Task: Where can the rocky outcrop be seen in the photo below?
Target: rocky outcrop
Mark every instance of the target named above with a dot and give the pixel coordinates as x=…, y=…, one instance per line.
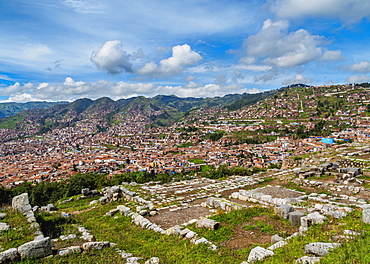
x=21, y=203
x=36, y=249
x=9, y=255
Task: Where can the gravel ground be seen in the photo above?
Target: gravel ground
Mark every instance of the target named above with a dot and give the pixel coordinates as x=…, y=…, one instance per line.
x=278, y=192
x=168, y=219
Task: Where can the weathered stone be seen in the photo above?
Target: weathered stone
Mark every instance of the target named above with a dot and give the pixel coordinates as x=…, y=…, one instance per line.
x=39, y=237
x=313, y=218
x=51, y=207
x=123, y=209
x=35, y=226
x=277, y=245
x=259, y=253
x=143, y=212
x=319, y=248
x=21, y=203
x=153, y=260
x=87, y=237
x=30, y=216
x=351, y=233
x=133, y=260
x=184, y=232
x=103, y=200
x=70, y=236
x=201, y=240
x=4, y=226
x=208, y=224
x=112, y=212
x=190, y=235
x=308, y=260
x=94, y=202
x=69, y=250
x=366, y=215
x=9, y=255
x=95, y=245
x=295, y=218
x=86, y=191
x=124, y=254
x=276, y=238
x=36, y=249
x=2, y=215
x=283, y=210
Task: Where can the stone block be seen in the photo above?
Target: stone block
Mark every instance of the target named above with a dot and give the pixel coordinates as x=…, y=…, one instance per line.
x=153, y=260
x=4, y=226
x=103, y=200
x=259, y=253
x=283, y=210
x=69, y=250
x=95, y=245
x=313, y=218
x=21, y=203
x=277, y=245
x=51, y=207
x=208, y=224
x=308, y=260
x=320, y=249
x=36, y=249
x=86, y=191
x=295, y=218
x=10, y=255
x=184, y=232
x=276, y=238
x=366, y=215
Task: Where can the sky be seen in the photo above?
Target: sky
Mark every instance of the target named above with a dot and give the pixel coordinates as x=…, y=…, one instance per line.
x=54, y=50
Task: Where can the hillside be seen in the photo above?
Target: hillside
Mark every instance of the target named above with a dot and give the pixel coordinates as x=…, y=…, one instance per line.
x=10, y=109
x=160, y=110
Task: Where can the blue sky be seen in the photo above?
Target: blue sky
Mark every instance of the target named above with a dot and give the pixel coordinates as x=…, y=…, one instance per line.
x=54, y=50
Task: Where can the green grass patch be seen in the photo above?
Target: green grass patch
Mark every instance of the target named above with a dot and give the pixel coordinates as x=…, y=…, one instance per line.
x=19, y=233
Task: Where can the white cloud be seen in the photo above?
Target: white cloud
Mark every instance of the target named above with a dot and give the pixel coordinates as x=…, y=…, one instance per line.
x=253, y=91
x=197, y=90
x=112, y=58
x=84, y=7
x=5, y=77
x=247, y=60
x=189, y=78
x=70, y=90
x=35, y=51
x=332, y=55
x=349, y=11
x=257, y=68
x=182, y=56
x=238, y=75
x=282, y=49
x=298, y=78
x=20, y=98
x=275, y=46
x=363, y=66
x=358, y=78
x=17, y=88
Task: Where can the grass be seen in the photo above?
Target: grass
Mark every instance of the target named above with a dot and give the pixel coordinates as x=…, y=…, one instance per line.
x=19, y=233
x=172, y=249
x=11, y=122
x=351, y=251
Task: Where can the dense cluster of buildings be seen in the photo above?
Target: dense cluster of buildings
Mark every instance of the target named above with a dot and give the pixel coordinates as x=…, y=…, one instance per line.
x=131, y=146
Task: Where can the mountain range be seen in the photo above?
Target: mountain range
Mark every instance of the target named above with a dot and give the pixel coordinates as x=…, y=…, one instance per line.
x=161, y=110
